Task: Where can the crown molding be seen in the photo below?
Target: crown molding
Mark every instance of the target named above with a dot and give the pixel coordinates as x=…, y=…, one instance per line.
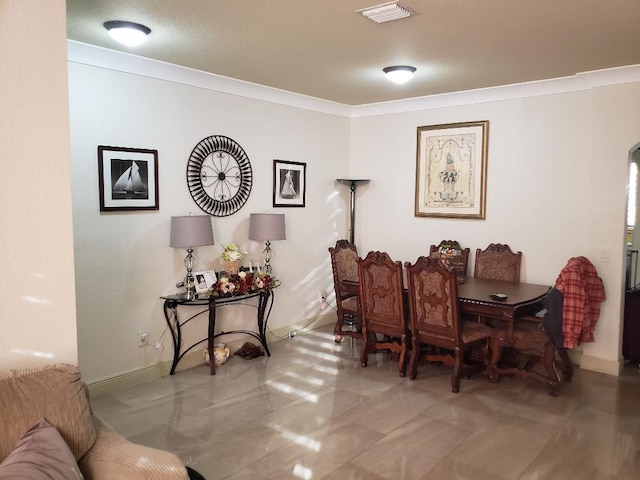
x=86, y=54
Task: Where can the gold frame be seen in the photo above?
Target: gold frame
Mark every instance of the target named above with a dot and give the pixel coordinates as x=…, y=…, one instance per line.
x=451, y=170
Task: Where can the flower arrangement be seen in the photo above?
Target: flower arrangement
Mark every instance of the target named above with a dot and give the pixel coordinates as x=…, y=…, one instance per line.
x=231, y=253
x=242, y=283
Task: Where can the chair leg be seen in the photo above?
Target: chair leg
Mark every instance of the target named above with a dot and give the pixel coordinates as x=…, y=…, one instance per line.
x=402, y=356
x=457, y=372
x=337, y=331
x=368, y=344
x=413, y=357
x=567, y=367
x=550, y=367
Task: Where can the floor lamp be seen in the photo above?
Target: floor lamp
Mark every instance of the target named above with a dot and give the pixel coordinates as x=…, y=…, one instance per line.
x=188, y=232
x=353, y=185
x=265, y=227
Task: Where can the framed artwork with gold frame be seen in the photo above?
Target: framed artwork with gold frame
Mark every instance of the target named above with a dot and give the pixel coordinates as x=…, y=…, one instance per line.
x=451, y=170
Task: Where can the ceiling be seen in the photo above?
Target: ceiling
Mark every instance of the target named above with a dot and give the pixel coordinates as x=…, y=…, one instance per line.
x=324, y=49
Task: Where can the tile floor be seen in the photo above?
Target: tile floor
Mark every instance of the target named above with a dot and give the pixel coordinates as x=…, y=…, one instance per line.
x=311, y=412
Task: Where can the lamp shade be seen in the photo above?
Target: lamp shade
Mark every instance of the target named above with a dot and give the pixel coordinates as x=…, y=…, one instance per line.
x=267, y=227
x=191, y=231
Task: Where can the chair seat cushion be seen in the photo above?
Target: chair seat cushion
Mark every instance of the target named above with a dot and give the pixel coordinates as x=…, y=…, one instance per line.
x=529, y=332
x=473, y=331
x=350, y=303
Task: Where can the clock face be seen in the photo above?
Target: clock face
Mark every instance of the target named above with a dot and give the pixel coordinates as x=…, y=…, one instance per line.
x=219, y=176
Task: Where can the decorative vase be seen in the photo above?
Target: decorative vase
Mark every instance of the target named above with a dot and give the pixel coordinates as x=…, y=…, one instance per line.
x=220, y=354
x=232, y=266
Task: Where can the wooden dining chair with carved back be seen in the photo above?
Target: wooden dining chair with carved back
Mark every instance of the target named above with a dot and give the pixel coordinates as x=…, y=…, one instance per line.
x=383, y=309
x=498, y=262
x=435, y=323
x=452, y=255
x=344, y=264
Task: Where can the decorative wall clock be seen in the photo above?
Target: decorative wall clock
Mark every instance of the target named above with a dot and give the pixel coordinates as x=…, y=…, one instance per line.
x=219, y=175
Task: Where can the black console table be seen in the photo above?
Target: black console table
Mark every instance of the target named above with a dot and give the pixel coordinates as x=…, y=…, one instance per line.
x=172, y=302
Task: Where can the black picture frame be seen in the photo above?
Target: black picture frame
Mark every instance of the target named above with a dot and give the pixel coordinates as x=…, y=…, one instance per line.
x=128, y=179
x=289, y=183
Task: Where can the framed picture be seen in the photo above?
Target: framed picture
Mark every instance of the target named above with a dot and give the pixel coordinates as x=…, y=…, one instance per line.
x=205, y=280
x=128, y=178
x=289, y=183
x=451, y=170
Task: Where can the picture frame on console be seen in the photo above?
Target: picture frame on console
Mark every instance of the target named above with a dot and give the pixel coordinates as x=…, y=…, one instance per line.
x=204, y=280
x=289, y=183
x=451, y=170
x=128, y=179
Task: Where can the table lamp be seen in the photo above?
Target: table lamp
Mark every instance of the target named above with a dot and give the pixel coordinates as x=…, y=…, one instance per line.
x=190, y=231
x=265, y=227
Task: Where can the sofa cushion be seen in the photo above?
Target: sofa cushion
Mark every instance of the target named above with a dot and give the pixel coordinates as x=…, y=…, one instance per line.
x=41, y=454
x=55, y=393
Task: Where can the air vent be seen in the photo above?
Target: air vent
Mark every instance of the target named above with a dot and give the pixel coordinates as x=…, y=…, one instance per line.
x=386, y=12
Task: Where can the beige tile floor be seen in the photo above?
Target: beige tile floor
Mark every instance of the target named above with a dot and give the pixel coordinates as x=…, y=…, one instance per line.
x=311, y=412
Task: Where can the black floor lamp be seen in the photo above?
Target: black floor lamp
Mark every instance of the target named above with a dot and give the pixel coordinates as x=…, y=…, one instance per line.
x=353, y=185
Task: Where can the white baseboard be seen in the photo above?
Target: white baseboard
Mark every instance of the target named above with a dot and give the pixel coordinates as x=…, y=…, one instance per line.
x=195, y=358
x=600, y=365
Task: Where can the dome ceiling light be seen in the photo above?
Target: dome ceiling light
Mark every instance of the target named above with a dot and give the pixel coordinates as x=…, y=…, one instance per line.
x=399, y=73
x=128, y=33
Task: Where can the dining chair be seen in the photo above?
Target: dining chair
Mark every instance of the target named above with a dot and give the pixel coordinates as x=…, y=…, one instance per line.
x=452, y=255
x=435, y=323
x=344, y=264
x=383, y=308
x=498, y=262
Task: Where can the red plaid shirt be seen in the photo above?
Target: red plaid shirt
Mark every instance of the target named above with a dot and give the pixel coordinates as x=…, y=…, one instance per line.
x=582, y=292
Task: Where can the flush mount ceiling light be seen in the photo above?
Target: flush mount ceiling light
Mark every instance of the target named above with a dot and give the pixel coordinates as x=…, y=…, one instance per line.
x=399, y=73
x=128, y=33
x=386, y=12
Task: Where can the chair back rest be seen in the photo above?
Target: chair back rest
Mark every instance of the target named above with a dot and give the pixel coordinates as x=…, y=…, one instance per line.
x=433, y=300
x=498, y=262
x=344, y=262
x=381, y=294
x=454, y=257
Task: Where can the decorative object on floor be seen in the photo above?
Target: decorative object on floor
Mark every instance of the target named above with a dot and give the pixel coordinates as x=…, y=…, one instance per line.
x=451, y=170
x=232, y=256
x=220, y=354
x=190, y=231
x=353, y=185
x=266, y=227
x=219, y=176
x=249, y=351
x=193, y=475
x=289, y=183
x=128, y=179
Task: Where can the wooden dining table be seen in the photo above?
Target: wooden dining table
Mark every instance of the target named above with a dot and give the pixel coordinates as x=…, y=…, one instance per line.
x=475, y=296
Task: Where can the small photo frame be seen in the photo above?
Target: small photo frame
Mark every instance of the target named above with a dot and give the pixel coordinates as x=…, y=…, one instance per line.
x=128, y=179
x=204, y=280
x=289, y=183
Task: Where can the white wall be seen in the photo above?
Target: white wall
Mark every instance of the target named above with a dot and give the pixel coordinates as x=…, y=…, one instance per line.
x=123, y=261
x=557, y=170
x=37, y=312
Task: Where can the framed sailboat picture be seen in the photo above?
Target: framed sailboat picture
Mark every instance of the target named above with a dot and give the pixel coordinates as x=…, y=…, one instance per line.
x=289, y=183
x=128, y=178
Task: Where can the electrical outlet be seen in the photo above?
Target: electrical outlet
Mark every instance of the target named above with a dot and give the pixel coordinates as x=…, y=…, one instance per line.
x=143, y=336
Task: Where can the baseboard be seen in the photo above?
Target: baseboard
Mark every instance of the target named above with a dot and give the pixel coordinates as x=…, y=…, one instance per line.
x=600, y=365
x=195, y=358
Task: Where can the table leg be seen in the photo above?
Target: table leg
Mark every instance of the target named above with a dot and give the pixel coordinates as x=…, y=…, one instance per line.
x=171, y=311
x=211, y=335
x=265, y=303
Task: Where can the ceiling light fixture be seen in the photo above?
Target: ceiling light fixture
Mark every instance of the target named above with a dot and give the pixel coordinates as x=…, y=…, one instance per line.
x=399, y=73
x=386, y=12
x=128, y=33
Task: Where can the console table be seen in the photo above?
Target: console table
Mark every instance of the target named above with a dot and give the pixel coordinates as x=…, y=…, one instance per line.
x=172, y=302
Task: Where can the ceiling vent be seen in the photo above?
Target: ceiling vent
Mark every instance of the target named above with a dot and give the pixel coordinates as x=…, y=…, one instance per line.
x=386, y=12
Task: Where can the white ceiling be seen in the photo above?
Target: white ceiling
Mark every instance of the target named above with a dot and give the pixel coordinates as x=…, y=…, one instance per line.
x=324, y=49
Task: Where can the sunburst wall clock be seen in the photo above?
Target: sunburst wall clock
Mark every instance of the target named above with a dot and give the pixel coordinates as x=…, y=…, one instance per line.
x=219, y=175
